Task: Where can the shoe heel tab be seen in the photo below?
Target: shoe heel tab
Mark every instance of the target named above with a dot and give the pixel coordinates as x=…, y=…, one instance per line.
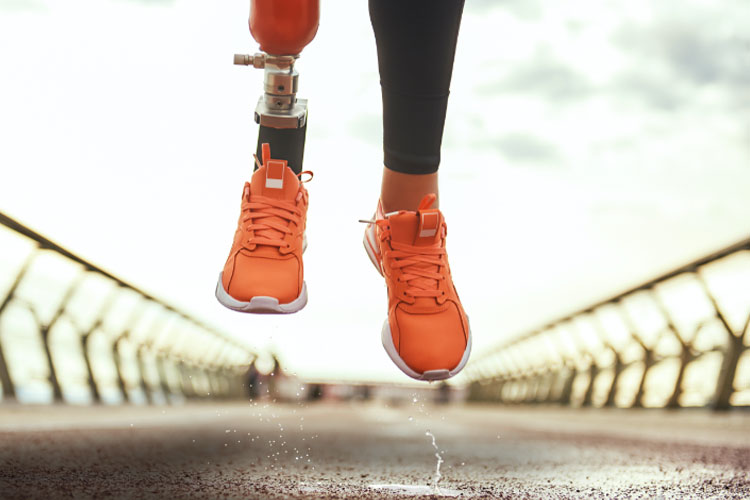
x=427, y=201
x=265, y=152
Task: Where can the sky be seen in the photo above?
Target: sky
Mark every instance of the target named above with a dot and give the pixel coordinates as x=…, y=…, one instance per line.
x=589, y=146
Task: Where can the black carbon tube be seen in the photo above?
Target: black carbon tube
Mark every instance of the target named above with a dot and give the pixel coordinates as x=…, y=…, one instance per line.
x=286, y=144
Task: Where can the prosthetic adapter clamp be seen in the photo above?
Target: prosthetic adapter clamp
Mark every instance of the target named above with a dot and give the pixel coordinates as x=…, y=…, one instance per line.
x=278, y=107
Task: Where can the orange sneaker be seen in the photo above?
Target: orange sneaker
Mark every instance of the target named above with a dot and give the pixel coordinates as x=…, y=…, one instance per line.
x=427, y=331
x=264, y=272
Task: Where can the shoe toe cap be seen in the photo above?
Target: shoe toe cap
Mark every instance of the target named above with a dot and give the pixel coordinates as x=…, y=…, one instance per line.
x=264, y=277
x=427, y=342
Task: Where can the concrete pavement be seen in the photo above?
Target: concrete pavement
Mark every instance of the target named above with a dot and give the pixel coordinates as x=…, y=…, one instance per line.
x=370, y=450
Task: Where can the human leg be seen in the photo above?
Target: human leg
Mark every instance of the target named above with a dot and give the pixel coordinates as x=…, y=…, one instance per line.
x=426, y=333
x=416, y=42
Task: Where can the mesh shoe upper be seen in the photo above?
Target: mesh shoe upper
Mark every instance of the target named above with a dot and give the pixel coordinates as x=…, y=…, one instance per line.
x=266, y=255
x=427, y=322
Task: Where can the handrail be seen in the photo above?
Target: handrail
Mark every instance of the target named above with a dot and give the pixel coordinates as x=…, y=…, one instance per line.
x=221, y=376
x=522, y=378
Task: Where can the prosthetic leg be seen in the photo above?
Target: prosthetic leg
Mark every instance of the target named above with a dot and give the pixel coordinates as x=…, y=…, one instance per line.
x=282, y=28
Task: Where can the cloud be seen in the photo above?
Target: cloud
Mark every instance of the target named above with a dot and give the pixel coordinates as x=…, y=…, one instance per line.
x=650, y=90
x=367, y=127
x=693, y=49
x=527, y=148
x=154, y=3
x=522, y=9
x=683, y=52
x=545, y=76
x=22, y=6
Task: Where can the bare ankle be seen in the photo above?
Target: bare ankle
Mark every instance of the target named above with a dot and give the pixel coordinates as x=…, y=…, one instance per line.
x=400, y=191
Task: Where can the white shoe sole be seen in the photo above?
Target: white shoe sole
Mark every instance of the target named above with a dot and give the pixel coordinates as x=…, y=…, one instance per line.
x=261, y=304
x=385, y=334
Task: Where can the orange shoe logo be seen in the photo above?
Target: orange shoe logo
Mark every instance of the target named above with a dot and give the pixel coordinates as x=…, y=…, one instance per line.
x=275, y=174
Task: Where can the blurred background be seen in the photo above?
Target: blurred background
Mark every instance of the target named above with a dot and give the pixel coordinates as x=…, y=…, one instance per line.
x=591, y=149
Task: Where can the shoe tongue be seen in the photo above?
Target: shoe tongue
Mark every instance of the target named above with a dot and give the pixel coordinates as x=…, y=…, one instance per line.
x=275, y=180
x=421, y=228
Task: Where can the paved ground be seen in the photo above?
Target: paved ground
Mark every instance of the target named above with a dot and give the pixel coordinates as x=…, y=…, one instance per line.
x=369, y=451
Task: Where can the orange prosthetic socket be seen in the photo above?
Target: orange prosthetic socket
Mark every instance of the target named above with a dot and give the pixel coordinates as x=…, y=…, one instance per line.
x=284, y=27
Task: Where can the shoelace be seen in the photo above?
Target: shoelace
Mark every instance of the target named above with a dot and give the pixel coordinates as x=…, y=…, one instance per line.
x=417, y=265
x=265, y=232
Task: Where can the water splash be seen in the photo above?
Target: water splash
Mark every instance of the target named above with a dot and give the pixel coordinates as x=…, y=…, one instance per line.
x=438, y=476
x=412, y=490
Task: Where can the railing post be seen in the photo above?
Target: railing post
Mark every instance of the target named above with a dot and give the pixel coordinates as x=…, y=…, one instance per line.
x=732, y=353
x=116, y=356
x=57, y=394
x=648, y=362
x=617, y=366
x=85, y=336
x=187, y=379
x=727, y=373
x=593, y=372
x=685, y=354
x=618, y=369
x=95, y=395
x=567, y=389
x=117, y=346
x=163, y=379
x=685, y=359
x=648, y=355
x=9, y=390
x=145, y=387
x=45, y=334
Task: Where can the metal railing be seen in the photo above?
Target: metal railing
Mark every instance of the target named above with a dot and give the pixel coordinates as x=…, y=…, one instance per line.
x=71, y=331
x=679, y=340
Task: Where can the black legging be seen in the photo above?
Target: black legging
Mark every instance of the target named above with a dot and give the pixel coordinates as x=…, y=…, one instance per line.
x=416, y=42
